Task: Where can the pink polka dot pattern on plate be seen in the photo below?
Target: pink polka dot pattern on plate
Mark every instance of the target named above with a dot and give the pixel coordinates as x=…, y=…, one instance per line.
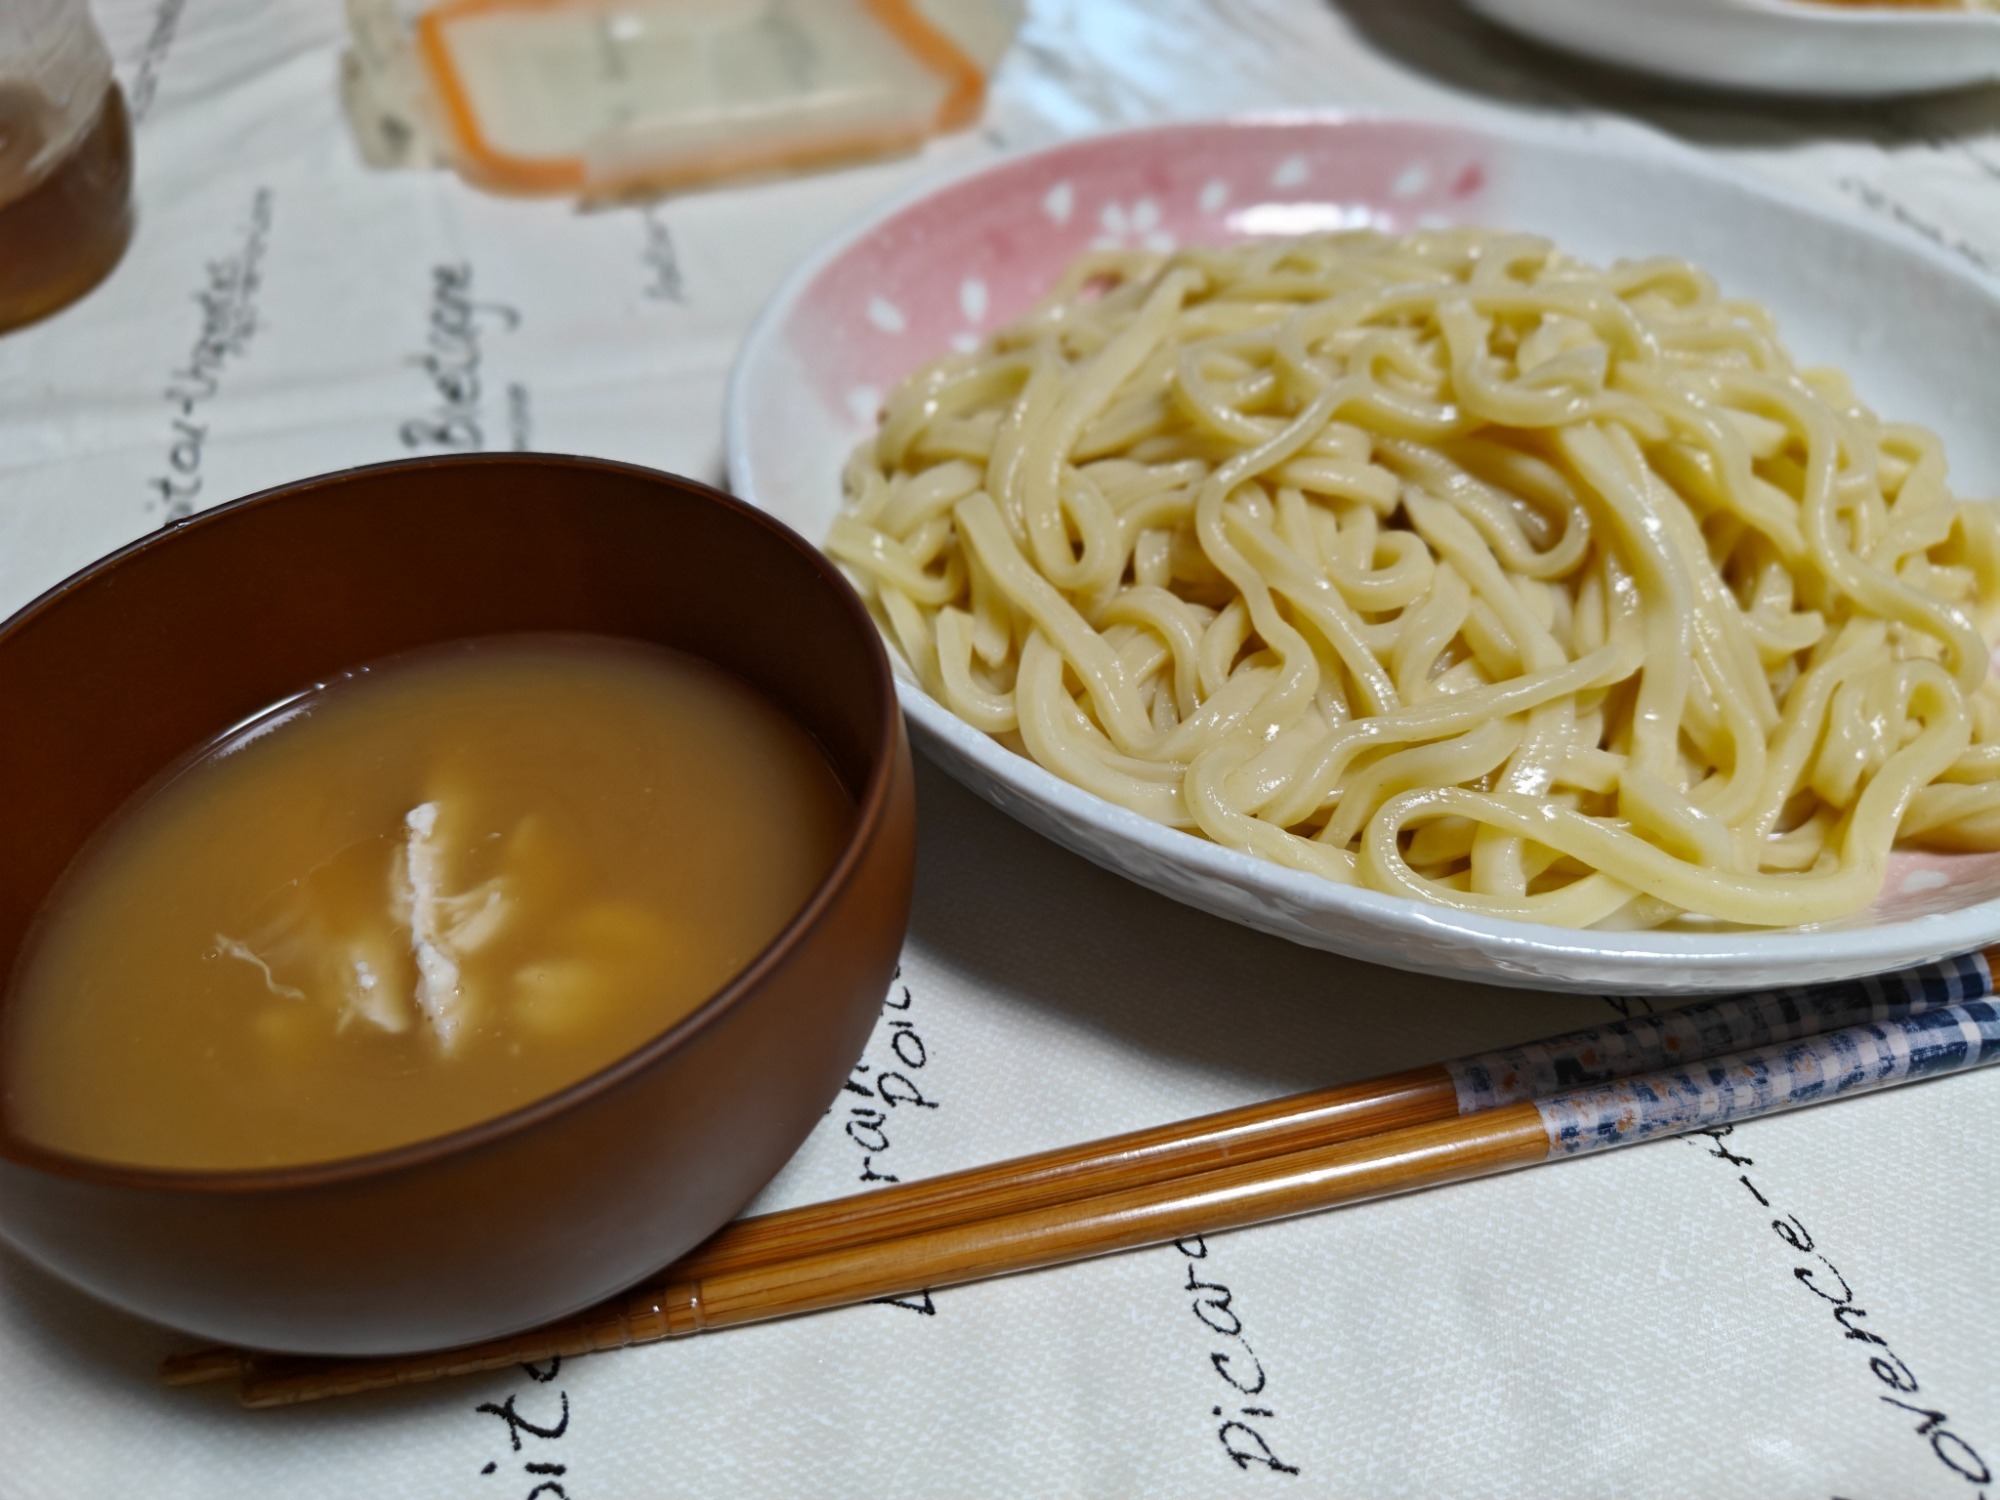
x=942, y=266
x=958, y=263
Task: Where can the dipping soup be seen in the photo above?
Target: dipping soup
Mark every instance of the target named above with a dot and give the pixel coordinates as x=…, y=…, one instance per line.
x=441, y=887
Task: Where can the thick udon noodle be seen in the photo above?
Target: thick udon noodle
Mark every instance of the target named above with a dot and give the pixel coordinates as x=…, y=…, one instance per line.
x=1452, y=567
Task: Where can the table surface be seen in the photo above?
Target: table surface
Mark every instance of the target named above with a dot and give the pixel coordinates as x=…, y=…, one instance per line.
x=1805, y=1308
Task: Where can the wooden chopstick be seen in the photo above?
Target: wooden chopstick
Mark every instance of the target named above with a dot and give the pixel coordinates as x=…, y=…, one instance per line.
x=1857, y=1059
x=1227, y=1198
x=1160, y=1153
x=1321, y=1117
x=1248, y=1133
x=1168, y=1155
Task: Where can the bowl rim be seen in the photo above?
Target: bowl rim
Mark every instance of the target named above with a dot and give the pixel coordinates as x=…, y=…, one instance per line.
x=1512, y=952
x=871, y=809
x=1828, y=50
x=1866, y=18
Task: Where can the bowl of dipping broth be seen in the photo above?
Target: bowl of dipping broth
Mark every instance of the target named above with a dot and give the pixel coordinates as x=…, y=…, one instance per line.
x=437, y=895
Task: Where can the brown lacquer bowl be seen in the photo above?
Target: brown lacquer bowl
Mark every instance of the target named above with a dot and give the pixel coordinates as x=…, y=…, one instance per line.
x=143, y=656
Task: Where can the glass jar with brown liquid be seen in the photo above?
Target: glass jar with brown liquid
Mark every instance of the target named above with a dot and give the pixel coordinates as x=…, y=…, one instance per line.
x=65, y=159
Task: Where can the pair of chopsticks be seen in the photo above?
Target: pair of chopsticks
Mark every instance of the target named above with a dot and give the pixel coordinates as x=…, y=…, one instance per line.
x=1714, y=1063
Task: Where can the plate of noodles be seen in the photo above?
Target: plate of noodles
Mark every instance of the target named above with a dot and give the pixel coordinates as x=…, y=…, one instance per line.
x=1459, y=550
x=1828, y=48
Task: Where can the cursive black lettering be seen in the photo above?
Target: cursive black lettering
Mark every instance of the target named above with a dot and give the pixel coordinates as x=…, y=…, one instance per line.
x=1893, y=1373
x=453, y=358
x=896, y=1089
x=865, y=1130
x=875, y=1130
x=1842, y=1313
x=1720, y=1152
x=1951, y=1450
x=1245, y=1446
x=1955, y=1453
x=518, y=1424
x=1805, y=1276
x=1237, y=1366
x=662, y=262
x=227, y=300
x=1222, y=1362
x=1792, y=1232
x=908, y=1046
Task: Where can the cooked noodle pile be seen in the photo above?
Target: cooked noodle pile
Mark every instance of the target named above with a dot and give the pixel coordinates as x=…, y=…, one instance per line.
x=1452, y=567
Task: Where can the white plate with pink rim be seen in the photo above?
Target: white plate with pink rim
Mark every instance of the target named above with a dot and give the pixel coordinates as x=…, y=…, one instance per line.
x=946, y=263
x=1797, y=47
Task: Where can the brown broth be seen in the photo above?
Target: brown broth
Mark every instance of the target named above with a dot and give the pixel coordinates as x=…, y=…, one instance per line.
x=439, y=888
x=60, y=234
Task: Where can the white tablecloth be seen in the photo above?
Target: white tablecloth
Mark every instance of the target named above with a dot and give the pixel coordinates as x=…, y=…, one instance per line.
x=1809, y=1308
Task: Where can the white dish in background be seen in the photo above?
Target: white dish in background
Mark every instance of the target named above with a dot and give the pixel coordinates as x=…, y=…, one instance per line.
x=950, y=261
x=1797, y=47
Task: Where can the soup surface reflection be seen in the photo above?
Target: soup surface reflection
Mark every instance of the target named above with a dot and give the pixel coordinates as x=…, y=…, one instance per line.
x=443, y=886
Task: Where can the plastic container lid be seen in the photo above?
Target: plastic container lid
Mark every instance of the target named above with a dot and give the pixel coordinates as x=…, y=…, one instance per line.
x=598, y=97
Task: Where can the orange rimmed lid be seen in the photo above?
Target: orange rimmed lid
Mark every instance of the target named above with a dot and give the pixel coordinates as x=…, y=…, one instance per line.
x=491, y=165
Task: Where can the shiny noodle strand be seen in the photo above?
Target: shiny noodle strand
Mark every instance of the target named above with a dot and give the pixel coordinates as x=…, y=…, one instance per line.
x=1449, y=566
